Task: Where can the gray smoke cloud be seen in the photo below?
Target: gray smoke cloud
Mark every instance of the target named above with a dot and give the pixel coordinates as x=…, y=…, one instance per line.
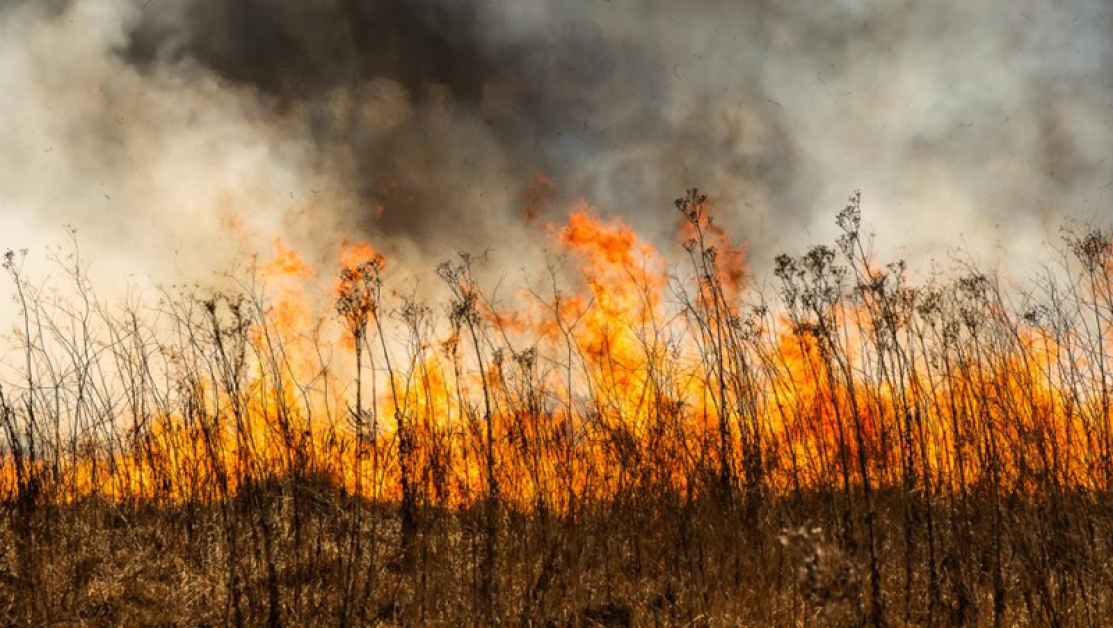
x=176, y=135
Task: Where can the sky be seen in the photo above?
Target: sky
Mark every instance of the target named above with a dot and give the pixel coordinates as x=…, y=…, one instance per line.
x=181, y=137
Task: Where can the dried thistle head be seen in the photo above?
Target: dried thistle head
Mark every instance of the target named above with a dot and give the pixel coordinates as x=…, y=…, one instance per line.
x=1093, y=249
x=464, y=308
x=691, y=205
x=357, y=293
x=526, y=359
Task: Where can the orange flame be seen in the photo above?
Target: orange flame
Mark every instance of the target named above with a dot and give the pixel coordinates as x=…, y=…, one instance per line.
x=612, y=390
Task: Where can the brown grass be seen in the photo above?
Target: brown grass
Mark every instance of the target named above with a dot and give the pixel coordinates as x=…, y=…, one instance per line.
x=859, y=451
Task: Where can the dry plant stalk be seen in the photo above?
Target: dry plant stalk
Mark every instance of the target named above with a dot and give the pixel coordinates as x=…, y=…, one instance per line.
x=645, y=444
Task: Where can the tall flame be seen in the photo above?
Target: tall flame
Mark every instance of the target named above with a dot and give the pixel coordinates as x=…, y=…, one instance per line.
x=624, y=381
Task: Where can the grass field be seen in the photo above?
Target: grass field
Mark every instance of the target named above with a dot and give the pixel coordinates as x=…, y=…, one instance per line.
x=632, y=440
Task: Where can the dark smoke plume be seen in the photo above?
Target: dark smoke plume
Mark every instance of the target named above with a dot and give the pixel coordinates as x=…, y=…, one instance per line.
x=435, y=76
x=424, y=124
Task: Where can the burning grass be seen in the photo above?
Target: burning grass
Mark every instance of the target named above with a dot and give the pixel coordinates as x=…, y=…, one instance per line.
x=651, y=443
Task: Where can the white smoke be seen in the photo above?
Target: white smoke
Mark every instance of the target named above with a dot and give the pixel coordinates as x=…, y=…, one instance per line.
x=980, y=125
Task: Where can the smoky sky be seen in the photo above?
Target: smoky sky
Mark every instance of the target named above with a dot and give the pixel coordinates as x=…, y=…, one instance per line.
x=423, y=124
x=546, y=100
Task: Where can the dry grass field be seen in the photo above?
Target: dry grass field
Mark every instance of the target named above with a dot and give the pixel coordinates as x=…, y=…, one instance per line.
x=641, y=442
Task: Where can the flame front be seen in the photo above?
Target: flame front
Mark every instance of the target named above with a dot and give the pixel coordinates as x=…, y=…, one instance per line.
x=640, y=376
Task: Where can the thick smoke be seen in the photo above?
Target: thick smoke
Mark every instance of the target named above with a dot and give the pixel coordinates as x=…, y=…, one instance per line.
x=420, y=104
x=176, y=133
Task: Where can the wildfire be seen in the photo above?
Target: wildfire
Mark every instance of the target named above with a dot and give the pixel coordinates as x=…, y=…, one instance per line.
x=624, y=381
